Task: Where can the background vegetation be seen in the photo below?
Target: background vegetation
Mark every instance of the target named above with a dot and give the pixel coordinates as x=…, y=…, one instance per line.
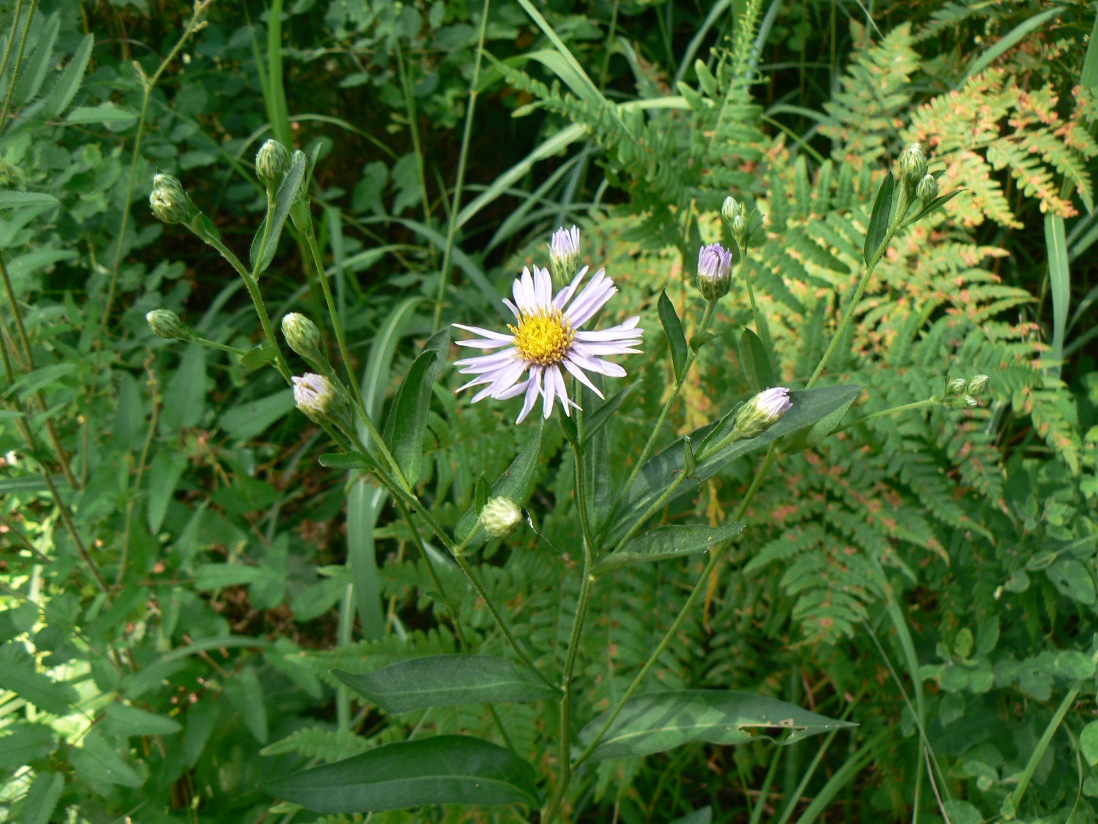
x=178, y=574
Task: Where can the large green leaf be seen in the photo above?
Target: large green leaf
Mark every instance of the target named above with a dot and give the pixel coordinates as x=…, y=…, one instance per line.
x=413, y=402
x=664, y=720
x=444, y=681
x=809, y=407
x=447, y=769
x=670, y=542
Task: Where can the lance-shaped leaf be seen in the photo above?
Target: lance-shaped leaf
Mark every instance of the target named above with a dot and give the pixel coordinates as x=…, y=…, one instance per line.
x=513, y=484
x=664, y=720
x=754, y=362
x=445, y=681
x=880, y=219
x=263, y=249
x=670, y=542
x=409, y=415
x=447, y=769
x=672, y=327
x=933, y=206
x=712, y=455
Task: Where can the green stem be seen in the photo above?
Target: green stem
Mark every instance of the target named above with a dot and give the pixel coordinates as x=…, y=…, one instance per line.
x=463, y=157
x=212, y=344
x=18, y=58
x=714, y=558
x=193, y=25
x=691, y=358
x=895, y=410
x=586, y=587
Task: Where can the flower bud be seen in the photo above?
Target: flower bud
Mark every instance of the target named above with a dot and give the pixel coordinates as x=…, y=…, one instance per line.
x=977, y=386
x=321, y=400
x=731, y=209
x=739, y=229
x=168, y=200
x=955, y=387
x=564, y=256
x=271, y=163
x=166, y=324
x=761, y=412
x=714, y=267
x=912, y=165
x=927, y=189
x=303, y=337
x=500, y=516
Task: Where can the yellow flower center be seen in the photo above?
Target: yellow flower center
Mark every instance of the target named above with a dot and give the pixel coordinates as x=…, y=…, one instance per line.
x=543, y=337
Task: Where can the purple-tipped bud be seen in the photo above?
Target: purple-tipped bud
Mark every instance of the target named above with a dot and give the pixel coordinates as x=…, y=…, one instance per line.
x=564, y=256
x=761, y=412
x=714, y=271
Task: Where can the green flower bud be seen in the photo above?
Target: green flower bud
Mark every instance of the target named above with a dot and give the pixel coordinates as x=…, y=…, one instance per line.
x=955, y=387
x=739, y=229
x=977, y=386
x=168, y=200
x=927, y=189
x=303, y=337
x=500, y=516
x=761, y=412
x=271, y=164
x=731, y=209
x=912, y=165
x=166, y=324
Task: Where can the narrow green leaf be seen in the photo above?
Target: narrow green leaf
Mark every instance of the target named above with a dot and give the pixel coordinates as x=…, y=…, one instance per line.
x=97, y=763
x=32, y=72
x=809, y=407
x=933, y=206
x=15, y=200
x=164, y=473
x=1008, y=41
x=661, y=721
x=447, y=769
x=252, y=418
x=601, y=415
x=219, y=576
x=278, y=213
x=349, y=461
x=880, y=219
x=413, y=402
x=105, y=114
x=258, y=356
x=22, y=744
x=513, y=483
x=62, y=93
x=672, y=327
x=754, y=362
x=1059, y=278
x=670, y=542
x=446, y=681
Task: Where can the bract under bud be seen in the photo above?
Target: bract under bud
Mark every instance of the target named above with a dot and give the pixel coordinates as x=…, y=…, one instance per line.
x=168, y=200
x=564, y=256
x=912, y=165
x=166, y=324
x=927, y=189
x=762, y=412
x=714, y=268
x=271, y=163
x=303, y=336
x=500, y=516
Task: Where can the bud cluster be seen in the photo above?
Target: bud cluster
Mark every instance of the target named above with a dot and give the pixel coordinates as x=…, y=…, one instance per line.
x=738, y=221
x=962, y=394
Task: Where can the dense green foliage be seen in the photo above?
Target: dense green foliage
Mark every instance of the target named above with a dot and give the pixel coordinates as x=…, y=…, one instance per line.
x=194, y=586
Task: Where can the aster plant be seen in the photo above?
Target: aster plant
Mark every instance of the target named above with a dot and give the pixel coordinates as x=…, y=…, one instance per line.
x=564, y=347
